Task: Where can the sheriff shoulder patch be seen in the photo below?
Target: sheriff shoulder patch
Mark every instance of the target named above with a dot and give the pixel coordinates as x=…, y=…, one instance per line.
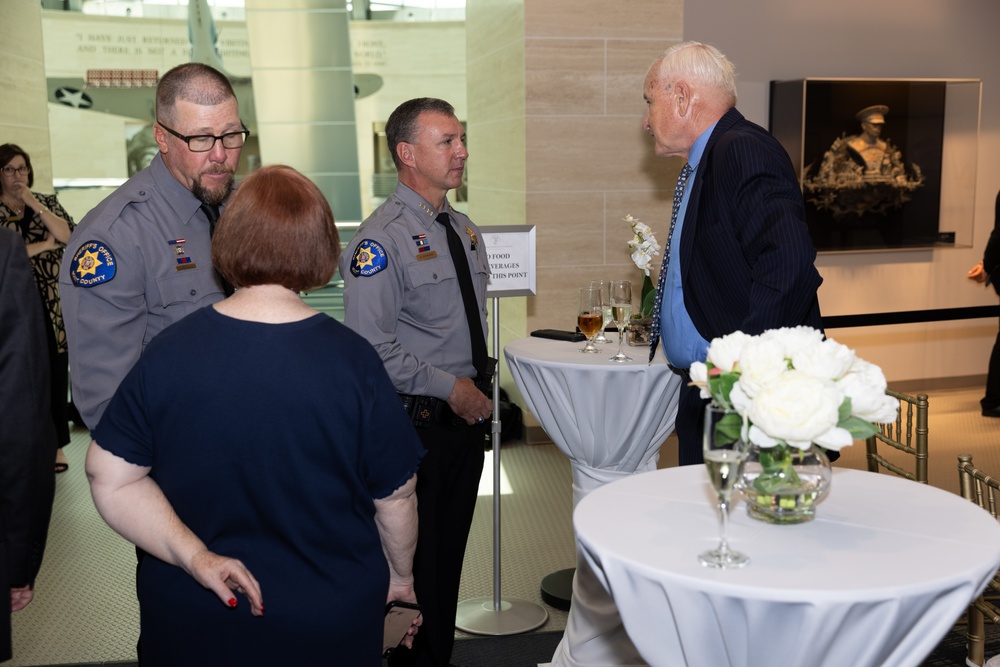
x=369, y=259
x=94, y=263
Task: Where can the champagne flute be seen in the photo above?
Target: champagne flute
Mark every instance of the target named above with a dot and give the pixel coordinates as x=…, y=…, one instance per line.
x=590, y=316
x=621, y=312
x=725, y=453
x=605, y=287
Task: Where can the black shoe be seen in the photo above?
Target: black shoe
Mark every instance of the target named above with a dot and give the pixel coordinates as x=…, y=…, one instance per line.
x=991, y=412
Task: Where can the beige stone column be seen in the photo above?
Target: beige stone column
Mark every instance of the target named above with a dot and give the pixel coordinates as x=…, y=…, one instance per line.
x=304, y=94
x=24, y=114
x=555, y=107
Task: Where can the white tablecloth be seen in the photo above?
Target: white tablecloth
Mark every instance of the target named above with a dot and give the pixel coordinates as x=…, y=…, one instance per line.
x=878, y=578
x=610, y=420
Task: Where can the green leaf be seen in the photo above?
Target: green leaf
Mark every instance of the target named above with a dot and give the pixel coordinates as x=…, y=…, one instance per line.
x=648, y=296
x=721, y=385
x=844, y=411
x=859, y=428
x=727, y=429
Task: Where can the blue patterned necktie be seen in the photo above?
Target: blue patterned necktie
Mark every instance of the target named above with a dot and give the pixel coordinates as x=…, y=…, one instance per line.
x=654, y=336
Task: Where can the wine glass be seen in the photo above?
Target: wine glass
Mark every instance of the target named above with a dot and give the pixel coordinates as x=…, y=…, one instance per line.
x=605, y=287
x=725, y=452
x=590, y=316
x=621, y=312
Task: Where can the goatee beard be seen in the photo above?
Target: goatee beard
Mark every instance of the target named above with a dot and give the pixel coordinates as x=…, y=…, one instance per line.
x=212, y=197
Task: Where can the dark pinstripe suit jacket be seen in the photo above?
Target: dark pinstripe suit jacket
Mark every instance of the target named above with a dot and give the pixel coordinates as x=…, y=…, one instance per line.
x=746, y=254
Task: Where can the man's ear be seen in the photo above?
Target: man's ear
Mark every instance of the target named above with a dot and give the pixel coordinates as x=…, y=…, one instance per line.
x=161, y=137
x=404, y=152
x=682, y=95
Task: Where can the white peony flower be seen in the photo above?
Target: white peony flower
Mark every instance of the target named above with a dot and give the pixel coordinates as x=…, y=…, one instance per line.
x=699, y=376
x=828, y=360
x=796, y=408
x=761, y=361
x=725, y=352
x=794, y=338
x=865, y=385
x=792, y=385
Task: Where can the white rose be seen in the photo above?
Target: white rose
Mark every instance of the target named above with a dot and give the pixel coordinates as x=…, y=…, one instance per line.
x=828, y=360
x=725, y=352
x=699, y=376
x=794, y=338
x=796, y=408
x=865, y=385
x=761, y=361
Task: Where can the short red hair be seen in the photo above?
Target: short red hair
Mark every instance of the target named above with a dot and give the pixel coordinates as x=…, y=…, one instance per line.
x=277, y=229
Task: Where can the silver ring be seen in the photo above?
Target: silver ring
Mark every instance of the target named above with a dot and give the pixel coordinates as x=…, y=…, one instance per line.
x=481, y=420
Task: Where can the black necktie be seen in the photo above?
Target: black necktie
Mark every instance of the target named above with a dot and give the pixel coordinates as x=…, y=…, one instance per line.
x=211, y=212
x=457, y=251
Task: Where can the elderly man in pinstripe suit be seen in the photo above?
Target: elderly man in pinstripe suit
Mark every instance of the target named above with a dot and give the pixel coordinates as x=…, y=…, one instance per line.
x=738, y=254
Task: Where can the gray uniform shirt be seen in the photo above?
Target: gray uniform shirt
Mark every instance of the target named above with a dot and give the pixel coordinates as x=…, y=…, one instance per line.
x=137, y=263
x=401, y=293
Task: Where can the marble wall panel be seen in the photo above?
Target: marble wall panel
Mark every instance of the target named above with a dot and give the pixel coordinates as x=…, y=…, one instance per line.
x=492, y=25
x=496, y=155
x=564, y=76
x=494, y=207
x=496, y=84
x=558, y=297
x=570, y=227
x=624, y=19
x=600, y=153
x=628, y=62
x=24, y=118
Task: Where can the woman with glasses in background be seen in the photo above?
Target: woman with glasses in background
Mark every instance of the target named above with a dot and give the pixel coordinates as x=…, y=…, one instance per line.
x=44, y=226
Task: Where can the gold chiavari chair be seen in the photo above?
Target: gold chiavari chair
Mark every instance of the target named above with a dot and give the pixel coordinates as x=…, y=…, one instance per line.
x=908, y=434
x=983, y=490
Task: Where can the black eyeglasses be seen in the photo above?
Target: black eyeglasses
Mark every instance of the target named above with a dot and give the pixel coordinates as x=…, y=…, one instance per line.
x=23, y=169
x=202, y=143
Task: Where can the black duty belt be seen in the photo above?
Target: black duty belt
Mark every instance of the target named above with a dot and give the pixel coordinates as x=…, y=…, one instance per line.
x=426, y=411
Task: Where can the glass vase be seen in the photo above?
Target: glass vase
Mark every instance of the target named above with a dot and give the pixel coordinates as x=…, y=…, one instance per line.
x=638, y=331
x=783, y=484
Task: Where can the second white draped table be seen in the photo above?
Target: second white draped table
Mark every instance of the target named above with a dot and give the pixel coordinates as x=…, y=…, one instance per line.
x=609, y=419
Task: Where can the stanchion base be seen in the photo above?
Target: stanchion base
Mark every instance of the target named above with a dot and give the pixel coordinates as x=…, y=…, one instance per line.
x=478, y=617
x=557, y=588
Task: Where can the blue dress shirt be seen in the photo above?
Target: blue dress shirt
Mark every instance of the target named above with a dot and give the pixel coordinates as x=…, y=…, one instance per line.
x=681, y=342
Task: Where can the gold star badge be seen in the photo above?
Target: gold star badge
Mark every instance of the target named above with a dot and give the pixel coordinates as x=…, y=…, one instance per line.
x=88, y=264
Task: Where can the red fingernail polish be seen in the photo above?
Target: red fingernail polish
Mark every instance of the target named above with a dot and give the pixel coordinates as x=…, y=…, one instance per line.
x=232, y=602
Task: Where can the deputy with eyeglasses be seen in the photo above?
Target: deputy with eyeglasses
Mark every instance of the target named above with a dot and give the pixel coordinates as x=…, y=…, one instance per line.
x=141, y=259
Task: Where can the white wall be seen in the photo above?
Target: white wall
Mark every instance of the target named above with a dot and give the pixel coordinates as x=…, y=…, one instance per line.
x=783, y=39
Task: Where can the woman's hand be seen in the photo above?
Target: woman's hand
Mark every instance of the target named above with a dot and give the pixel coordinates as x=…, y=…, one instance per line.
x=23, y=192
x=47, y=245
x=223, y=575
x=133, y=504
x=20, y=597
x=57, y=227
x=977, y=273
